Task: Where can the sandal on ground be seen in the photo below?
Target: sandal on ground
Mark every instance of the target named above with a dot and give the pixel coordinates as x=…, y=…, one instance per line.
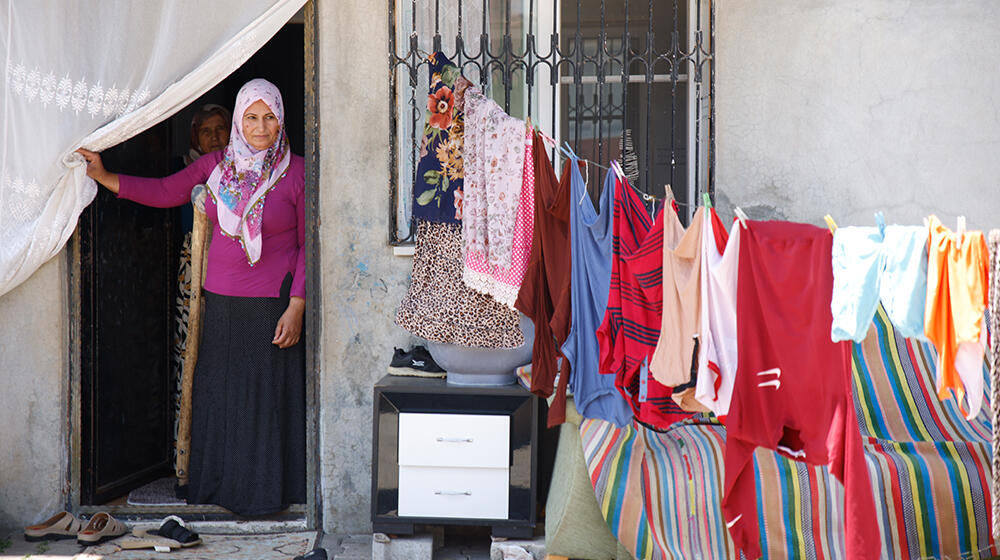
x=63, y=525
x=148, y=541
x=315, y=554
x=101, y=527
x=173, y=530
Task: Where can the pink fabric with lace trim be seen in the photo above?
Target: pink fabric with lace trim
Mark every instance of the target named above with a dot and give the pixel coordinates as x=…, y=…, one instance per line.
x=493, y=156
x=503, y=284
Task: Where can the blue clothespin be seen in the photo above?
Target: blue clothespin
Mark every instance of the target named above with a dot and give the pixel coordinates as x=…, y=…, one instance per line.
x=566, y=149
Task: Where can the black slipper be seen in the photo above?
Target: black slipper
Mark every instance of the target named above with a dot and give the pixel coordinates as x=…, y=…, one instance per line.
x=171, y=529
x=314, y=554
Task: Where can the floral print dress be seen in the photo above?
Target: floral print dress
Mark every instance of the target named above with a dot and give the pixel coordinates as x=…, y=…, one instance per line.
x=438, y=306
x=437, y=188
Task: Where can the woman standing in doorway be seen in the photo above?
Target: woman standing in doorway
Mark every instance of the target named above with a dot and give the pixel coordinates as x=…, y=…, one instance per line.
x=248, y=427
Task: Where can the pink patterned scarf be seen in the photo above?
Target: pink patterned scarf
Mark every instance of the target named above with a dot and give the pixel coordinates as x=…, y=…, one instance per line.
x=245, y=175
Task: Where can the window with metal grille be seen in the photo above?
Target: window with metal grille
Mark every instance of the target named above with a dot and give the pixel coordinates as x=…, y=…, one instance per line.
x=603, y=75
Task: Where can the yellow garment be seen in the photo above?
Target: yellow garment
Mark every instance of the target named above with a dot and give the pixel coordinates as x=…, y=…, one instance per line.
x=957, y=280
x=671, y=362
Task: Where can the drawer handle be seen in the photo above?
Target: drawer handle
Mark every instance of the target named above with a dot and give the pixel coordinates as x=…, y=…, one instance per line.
x=452, y=493
x=454, y=439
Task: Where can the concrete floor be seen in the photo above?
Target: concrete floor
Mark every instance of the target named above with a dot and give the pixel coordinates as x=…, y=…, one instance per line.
x=338, y=547
x=359, y=547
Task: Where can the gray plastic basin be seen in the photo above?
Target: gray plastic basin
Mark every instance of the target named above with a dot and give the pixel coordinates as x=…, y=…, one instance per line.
x=484, y=366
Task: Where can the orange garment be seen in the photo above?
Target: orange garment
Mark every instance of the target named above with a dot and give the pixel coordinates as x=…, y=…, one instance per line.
x=671, y=362
x=957, y=280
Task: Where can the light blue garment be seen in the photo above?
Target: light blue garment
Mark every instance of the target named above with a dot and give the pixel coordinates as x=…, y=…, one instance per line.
x=590, y=240
x=904, y=278
x=857, y=269
x=887, y=263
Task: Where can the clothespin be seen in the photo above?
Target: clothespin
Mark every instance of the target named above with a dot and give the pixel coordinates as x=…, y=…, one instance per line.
x=830, y=223
x=706, y=200
x=617, y=169
x=566, y=149
x=961, y=226
x=741, y=215
x=547, y=139
x=527, y=122
x=668, y=192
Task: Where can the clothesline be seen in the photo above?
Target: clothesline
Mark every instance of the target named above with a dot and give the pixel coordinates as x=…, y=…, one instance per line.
x=764, y=298
x=645, y=196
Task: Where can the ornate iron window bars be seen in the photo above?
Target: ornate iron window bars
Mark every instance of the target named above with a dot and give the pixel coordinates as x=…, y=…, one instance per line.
x=687, y=58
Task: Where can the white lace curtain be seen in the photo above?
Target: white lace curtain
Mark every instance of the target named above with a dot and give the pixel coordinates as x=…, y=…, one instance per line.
x=93, y=73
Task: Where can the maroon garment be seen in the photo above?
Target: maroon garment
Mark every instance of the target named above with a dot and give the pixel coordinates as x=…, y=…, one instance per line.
x=545, y=292
x=283, y=229
x=793, y=390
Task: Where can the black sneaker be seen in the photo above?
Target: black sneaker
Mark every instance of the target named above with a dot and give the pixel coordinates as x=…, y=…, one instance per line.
x=417, y=362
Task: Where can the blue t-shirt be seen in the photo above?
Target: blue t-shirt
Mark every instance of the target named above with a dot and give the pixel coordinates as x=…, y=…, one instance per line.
x=590, y=241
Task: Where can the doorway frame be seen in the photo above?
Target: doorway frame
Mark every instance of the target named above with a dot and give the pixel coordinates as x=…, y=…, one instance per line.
x=311, y=511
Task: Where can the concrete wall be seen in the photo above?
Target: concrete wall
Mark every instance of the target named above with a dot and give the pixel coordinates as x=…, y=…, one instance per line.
x=33, y=450
x=840, y=107
x=362, y=281
x=851, y=106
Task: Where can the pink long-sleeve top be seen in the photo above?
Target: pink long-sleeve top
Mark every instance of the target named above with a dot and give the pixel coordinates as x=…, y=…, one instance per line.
x=283, y=229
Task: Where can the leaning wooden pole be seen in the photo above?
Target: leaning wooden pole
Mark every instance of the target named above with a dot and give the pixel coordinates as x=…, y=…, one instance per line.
x=199, y=251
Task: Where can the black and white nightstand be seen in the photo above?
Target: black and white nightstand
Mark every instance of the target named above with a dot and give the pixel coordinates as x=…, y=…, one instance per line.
x=453, y=455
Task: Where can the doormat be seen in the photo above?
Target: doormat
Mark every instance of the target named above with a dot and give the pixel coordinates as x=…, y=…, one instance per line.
x=281, y=546
x=160, y=492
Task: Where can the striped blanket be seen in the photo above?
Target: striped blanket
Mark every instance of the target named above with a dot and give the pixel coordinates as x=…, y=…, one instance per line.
x=660, y=492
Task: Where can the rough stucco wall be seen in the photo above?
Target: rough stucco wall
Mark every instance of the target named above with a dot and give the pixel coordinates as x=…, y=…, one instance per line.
x=851, y=106
x=362, y=281
x=32, y=394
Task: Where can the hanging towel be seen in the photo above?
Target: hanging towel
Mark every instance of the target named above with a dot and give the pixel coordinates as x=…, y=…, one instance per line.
x=681, y=322
x=872, y=264
x=504, y=283
x=437, y=187
x=793, y=385
x=545, y=291
x=717, y=359
x=956, y=299
x=494, y=171
x=594, y=393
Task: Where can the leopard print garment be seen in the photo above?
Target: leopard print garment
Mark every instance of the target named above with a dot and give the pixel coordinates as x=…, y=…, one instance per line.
x=440, y=308
x=182, y=305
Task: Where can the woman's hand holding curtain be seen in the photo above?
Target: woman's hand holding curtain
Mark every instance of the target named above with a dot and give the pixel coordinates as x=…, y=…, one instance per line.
x=96, y=171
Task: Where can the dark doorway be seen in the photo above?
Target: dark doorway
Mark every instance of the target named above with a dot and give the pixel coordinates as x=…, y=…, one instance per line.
x=129, y=264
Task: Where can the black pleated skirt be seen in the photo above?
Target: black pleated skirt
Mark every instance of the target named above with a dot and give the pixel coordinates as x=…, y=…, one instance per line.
x=248, y=441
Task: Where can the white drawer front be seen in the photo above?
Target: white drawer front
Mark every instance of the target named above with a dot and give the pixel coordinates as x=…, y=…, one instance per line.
x=450, y=492
x=454, y=440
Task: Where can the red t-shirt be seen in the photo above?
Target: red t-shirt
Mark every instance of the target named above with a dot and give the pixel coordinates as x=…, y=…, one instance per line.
x=792, y=391
x=631, y=326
